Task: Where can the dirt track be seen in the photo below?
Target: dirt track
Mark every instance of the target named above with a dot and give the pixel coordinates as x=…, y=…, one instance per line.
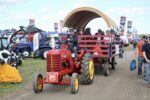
x=122, y=84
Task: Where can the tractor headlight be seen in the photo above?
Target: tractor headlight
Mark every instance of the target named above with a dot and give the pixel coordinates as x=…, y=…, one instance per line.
x=73, y=55
x=95, y=53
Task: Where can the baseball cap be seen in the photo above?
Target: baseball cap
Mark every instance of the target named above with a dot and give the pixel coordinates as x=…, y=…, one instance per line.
x=145, y=37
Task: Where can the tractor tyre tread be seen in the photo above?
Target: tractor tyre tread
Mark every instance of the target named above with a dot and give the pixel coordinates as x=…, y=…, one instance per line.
x=85, y=69
x=73, y=90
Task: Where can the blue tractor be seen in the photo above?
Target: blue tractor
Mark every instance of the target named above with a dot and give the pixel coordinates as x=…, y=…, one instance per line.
x=23, y=46
x=28, y=43
x=21, y=43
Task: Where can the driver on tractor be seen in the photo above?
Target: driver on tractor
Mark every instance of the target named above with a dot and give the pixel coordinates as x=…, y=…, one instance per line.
x=72, y=41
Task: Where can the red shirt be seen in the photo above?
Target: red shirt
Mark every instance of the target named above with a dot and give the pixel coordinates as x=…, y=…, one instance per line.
x=139, y=46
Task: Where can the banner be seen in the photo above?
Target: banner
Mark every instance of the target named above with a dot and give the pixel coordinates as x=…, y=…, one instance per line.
x=36, y=41
x=31, y=22
x=122, y=25
x=56, y=27
x=129, y=26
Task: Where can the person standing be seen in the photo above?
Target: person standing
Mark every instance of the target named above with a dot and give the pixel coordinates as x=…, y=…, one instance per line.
x=72, y=40
x=146, y=54
x=87, y=31
x=139, y=54
x=99, y=32
x=135, y=39
x=135, y=43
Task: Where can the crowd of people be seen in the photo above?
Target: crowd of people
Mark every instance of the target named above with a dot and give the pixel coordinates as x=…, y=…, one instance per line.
x=142, y=52
x=87, y=31
x=72, y=37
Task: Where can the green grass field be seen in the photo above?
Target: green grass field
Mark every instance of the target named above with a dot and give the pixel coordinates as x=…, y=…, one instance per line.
x=27, y=70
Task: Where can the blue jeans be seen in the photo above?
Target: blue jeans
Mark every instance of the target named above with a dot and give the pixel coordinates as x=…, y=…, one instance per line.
x=145, y=73
x=134, y=45
x=140, y=63
x=148, y=71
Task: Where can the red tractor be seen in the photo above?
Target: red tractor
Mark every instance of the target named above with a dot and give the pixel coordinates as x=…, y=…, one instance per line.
x=60, y=63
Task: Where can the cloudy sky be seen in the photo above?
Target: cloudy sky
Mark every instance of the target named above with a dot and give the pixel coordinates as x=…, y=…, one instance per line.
x=45, y=12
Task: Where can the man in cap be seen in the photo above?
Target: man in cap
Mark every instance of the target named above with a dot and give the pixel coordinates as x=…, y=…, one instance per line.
x=146, y=54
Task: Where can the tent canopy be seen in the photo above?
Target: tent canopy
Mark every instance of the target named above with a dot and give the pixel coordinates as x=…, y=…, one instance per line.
x=80, y=17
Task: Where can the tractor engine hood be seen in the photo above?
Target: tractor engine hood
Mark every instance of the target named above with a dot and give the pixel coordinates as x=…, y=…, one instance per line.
x=53, y=52
x=64, y=53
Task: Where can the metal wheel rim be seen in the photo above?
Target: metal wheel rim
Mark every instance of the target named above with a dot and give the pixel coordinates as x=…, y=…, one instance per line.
x=39, y=84
x=91, y=69
x=26, y=53
x=76, y=83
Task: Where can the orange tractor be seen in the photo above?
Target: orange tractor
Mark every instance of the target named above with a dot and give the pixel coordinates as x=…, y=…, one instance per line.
x=61, y=63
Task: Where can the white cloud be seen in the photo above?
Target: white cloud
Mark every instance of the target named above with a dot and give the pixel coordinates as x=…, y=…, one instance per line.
x=45, y=10
x=82, y=3
x=129, y=12
x=88, y=0
x=45, y=17
x=23, y=16
x=8, y=2
x=135, y=14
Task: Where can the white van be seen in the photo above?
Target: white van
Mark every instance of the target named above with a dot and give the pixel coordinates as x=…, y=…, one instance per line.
x=125, y=40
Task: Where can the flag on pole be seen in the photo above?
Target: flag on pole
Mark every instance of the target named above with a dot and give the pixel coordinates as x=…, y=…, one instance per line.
x=31, y=22
x=122, y=25
x=129, y=26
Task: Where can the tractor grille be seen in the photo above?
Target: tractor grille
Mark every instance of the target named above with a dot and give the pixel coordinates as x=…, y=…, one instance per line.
x=54, y=63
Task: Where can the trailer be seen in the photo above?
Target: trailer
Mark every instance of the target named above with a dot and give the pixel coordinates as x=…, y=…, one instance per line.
x=60, y=62
x=91, y=50
x=103, y=51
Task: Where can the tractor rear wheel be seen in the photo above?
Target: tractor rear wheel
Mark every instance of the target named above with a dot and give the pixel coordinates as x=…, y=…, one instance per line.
x=37, y=83
x=74, y=83
x=106, y=68
x=87, y=69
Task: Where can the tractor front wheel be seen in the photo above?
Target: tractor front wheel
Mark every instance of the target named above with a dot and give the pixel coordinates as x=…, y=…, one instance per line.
x=74, y=83
x=38, y=83
x=87, y=69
